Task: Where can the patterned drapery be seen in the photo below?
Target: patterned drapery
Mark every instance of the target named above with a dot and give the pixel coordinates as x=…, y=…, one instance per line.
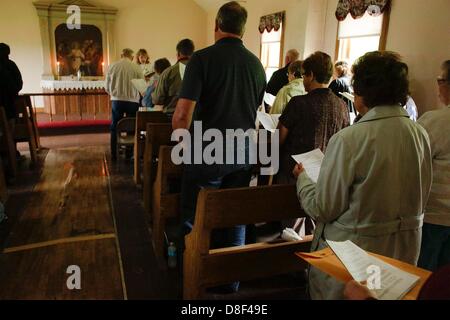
x=357, y=8
x=271, y=22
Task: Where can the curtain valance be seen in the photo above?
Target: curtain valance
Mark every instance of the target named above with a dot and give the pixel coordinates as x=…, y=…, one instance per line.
x=357, y=8
x=271, y=22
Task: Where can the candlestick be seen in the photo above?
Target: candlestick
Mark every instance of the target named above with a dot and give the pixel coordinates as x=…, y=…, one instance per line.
x=58, y=68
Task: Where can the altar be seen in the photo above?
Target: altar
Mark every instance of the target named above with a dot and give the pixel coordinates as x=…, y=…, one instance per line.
x=75, y=58
x=85, y=99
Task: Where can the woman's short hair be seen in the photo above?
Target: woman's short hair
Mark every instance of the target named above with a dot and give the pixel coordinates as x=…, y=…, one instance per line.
x=319, y=64
x=161, y=65
x=295, y=68
x=341, y=68
x=381, y=78
x=142, y=52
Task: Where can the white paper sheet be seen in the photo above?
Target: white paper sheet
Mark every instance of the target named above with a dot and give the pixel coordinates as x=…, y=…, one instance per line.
x=312, y=162
x=395, y=283
x=347, y=95
x=182, y=70
x=269, y=121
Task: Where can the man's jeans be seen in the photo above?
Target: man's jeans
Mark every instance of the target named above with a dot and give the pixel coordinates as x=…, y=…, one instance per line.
x=435, y=252
x=119, y=109
x=198, y=177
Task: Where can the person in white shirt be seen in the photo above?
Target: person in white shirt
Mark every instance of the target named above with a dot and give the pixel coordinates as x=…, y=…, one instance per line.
x=435, y=251
x=143, y=60
x=125, y=98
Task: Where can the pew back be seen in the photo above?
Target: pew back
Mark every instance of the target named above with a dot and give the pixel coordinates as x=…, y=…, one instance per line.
x=219, y=209
x=3, y=189
x=24, y=131
x=166, y=196
x=7, y=145
x=157, y=135
x=142, y=119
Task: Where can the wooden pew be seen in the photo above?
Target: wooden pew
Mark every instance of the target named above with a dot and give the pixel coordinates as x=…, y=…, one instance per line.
x=142, y=119
x=7, y=143
x=24, y=131
x=166, y=197
x=157, y=134
x=3, y=189
x=33, y=120
x=204, y=268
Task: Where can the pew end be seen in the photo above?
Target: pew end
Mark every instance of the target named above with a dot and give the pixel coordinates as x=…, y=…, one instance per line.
x=157, y=134
x=166, y=197
x=143, y=118
x=205, y=268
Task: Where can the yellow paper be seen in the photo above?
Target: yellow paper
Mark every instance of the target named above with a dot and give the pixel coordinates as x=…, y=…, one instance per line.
x=326, y=261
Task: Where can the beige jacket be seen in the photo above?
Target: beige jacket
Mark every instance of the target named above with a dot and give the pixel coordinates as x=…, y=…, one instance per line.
x=118, y=81
x=293, y=89
x=437, y=124
x=373, y=187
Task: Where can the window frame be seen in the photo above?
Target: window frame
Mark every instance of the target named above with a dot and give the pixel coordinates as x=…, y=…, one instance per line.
x=383, y=35
x=283, y=34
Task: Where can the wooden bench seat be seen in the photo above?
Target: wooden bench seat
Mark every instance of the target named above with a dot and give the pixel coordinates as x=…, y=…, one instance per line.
x=205, y=268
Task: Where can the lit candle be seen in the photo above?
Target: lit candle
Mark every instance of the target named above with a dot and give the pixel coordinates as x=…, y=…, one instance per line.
x=103, y=68
x=58, y=67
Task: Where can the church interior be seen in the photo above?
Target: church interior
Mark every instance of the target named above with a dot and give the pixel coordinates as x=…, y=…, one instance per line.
x=95, y=206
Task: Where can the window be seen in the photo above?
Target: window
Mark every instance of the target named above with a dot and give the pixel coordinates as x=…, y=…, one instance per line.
x=272, y=50
x=359, y=36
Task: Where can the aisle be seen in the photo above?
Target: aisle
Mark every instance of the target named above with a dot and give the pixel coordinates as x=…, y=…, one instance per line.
x=67, y=221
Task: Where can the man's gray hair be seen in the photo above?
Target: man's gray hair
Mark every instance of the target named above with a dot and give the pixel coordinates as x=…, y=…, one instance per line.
x=293, y=54
x=127, y=53
x=232, y=18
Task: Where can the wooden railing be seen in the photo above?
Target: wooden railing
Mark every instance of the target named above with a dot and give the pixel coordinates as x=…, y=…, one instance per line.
x=53, y=99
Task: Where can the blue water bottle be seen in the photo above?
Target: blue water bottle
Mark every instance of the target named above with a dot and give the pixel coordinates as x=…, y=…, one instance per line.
x=172, y=256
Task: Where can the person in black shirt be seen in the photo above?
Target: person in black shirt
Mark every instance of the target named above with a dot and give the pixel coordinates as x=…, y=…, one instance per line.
x=280, y=78
x=10, y=83
x=342, y=83
x=222, y=88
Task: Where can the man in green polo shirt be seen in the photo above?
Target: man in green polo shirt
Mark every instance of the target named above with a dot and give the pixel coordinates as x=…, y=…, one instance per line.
x=223, y=87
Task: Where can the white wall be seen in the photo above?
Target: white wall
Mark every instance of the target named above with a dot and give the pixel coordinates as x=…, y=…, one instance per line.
x=419, y=30
x=156, y=25
x=19, y=28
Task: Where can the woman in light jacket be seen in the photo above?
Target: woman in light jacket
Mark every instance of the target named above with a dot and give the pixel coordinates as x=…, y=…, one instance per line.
x=376, y=176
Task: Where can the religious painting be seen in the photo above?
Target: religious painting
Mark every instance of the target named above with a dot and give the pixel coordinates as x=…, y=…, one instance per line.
x=79, y=50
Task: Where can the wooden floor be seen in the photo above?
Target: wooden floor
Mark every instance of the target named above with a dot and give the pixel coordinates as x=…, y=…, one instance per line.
x=66, y=221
